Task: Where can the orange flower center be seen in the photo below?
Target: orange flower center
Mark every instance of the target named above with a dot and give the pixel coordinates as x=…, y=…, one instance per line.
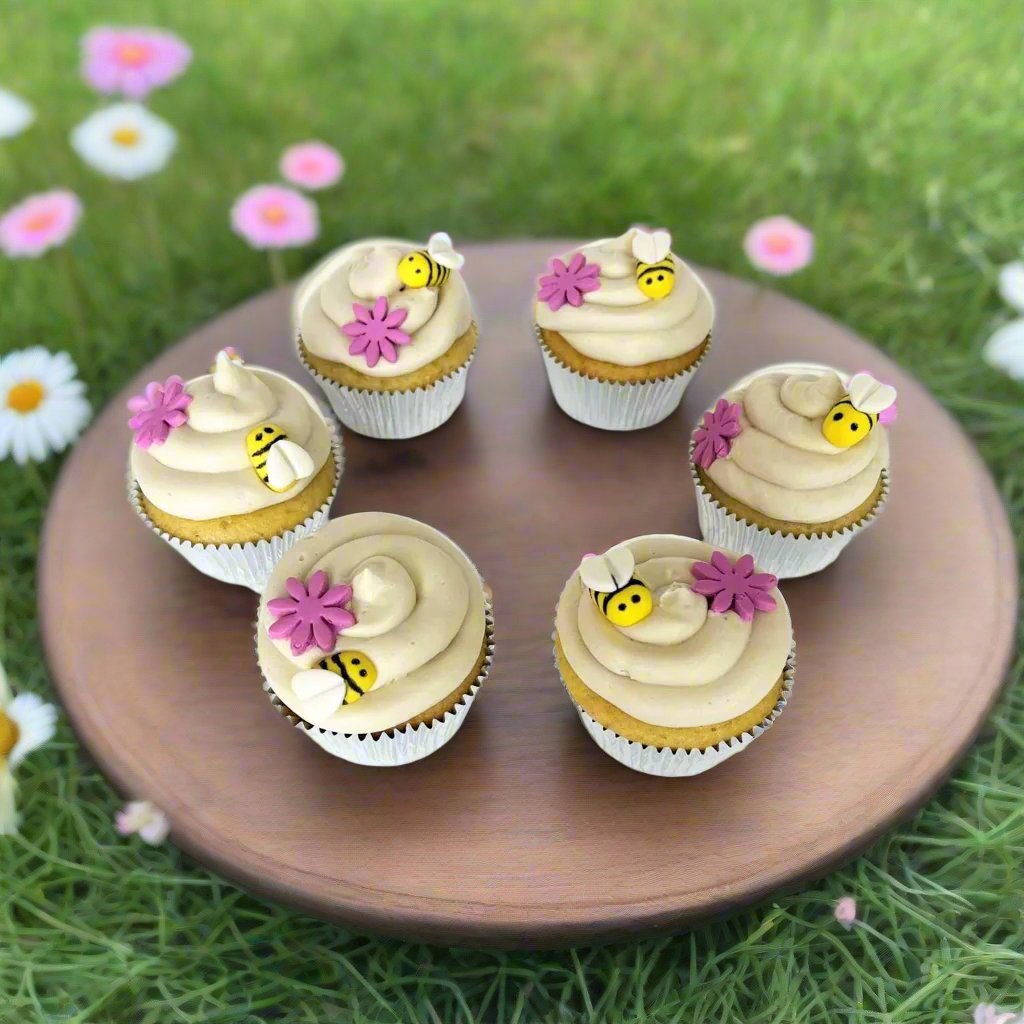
x=274, y=213
x=133, y=54
x=9, y=734
x=126, y=135
x=40, y=221
x=778, y=243
x=26, y=397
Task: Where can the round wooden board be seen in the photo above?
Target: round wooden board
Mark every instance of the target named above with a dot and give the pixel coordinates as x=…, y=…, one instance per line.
x=521, y=832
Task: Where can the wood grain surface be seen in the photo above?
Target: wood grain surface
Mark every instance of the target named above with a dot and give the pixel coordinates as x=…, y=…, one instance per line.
x=521, y=832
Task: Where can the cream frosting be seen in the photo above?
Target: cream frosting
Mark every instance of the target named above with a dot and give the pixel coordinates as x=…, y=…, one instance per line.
x=618, y=324
x=362, y=272
x=682, y=666
x=420, y=618
x=203, y=471
x=781, y=463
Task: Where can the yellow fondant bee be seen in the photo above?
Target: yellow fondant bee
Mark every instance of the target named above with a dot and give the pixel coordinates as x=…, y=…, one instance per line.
x=655, y=266
x=622, y=598
x=356, y=669
x=853, y=418
x=278, y=462
x=430, y=267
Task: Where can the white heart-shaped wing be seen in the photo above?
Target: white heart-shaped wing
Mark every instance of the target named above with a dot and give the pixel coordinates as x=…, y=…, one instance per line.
x=287, y=463
x=319, y=693
x=651, y=246
x=439, y=245
x=869, y=395
x=622, y=564
x=607, y=572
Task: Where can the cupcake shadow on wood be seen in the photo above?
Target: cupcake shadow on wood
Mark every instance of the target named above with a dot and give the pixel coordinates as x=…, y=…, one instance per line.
x=386, y=329
x=232, y=468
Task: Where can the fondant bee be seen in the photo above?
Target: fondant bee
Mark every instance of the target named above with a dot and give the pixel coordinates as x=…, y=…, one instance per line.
x=622, y=598
x=356, y=669
x=655, y=267
x=853, y=418
x=278, y=462
x=338, y=679
x=430, y=267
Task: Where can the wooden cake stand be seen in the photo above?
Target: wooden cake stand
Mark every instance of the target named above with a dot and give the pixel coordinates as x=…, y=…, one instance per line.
x=521, y=832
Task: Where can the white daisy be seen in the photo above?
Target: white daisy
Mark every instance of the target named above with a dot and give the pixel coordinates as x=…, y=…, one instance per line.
x=124, y=140
x=1005, y=349
x=1011, y=284
x=42, y=404
x=15, y=114
x=26, y=723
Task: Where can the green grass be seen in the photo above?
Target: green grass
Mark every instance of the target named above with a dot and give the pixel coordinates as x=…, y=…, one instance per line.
x=893, y=129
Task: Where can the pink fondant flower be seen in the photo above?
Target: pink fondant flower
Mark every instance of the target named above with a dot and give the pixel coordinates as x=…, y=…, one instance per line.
x=779, y=246
x=132, y=61
x=714, y=437
x=158, y=411
x=312, y=165
x=145, y=819
x=312, y=614
x=375, y=332
x=734, y=587
x=39, y=223
x=568, y=283
x=275, y=217
x=845, y=911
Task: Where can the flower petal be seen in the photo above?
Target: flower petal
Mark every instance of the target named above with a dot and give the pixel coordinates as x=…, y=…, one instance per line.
x=380, y=308
x=324, y=634
x=318, y=583
x=295, y=587
x=743, y=607
x=284, y=627
x=744, y=565
x=722, y=602
x=707, y=588
x=282, y=606
x=301, y=638
x=339, y=594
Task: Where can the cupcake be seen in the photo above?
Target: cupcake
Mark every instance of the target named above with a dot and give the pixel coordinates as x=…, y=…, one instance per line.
x=386, y=329
x=373, y=637
x=623, y=324
x=232, y=468
x=791, y=463
x=677, y=655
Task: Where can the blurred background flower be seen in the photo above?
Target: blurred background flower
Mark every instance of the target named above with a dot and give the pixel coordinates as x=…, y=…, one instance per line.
x=144, y=819
x=312, y=165
x=779, y=246
x=132, y=61
x=43, y=407
x=124, y=140
x=39, y=223
x=275, y=217
x=1005, y=349
x=15, y=114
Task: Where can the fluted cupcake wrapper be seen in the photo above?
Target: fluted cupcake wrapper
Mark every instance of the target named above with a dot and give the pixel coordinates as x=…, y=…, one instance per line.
x=784, y=555
x=397, y=746
x=393, y=415
x=670, y=762
x=245, y=565
x=615, y=405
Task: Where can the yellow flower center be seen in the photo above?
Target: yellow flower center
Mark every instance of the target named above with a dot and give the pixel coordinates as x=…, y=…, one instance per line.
x=778, y=243
x=274, y=213
x=40, y=221
x=132, y=54
x=9, y=734
x=26, y=397
x=126, y=136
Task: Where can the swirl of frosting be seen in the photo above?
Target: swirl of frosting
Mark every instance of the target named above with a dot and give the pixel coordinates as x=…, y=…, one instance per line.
x=682, y=666
x=419, y=609
x=203, y=470
x=781, y=463
x=617, y=323
x=362, y=273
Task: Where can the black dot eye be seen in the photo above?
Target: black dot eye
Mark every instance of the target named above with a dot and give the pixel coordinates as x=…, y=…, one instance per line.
x=269, y=431
x=622, y=607
x=419, y=270
x=259, y=437
x=362, y=673
x=355, y=661
x=661, y=277
x=635, y=599
x=855, y=426
x=838, y=416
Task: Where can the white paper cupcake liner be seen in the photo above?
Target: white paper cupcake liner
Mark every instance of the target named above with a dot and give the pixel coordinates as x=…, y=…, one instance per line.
x=398, y=746
x=785, y=555
x=245, y=565
x=669, y=762
x=393, y=415
x=614, y=405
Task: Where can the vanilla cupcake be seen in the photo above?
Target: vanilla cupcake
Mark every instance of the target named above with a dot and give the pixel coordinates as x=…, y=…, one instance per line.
x=791, y=463
x=373, y=637
x=232, y=468
x=386, y=329
x=623, y=324
x=675, y=654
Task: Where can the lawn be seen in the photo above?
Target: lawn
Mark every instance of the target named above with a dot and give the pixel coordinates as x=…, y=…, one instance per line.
x=894, y=130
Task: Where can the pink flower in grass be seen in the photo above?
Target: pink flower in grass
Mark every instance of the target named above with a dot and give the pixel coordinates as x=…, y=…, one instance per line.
x=568, y=283
x=145, y=819
x=132, y=61
x=734, y=586
x=713, y=438
x=312, y=165
x=275, y=217
x=779, y=246
x=375, y=332
x=845, y=911
x=39, y=223
x=312, y=614
x=989, y=1013
x=158, y=411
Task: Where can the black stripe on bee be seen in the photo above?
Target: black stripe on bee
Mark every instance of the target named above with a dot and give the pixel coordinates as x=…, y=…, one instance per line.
x=335, y=659
x=270, y=444
x=665, y=265
x=604, y=598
